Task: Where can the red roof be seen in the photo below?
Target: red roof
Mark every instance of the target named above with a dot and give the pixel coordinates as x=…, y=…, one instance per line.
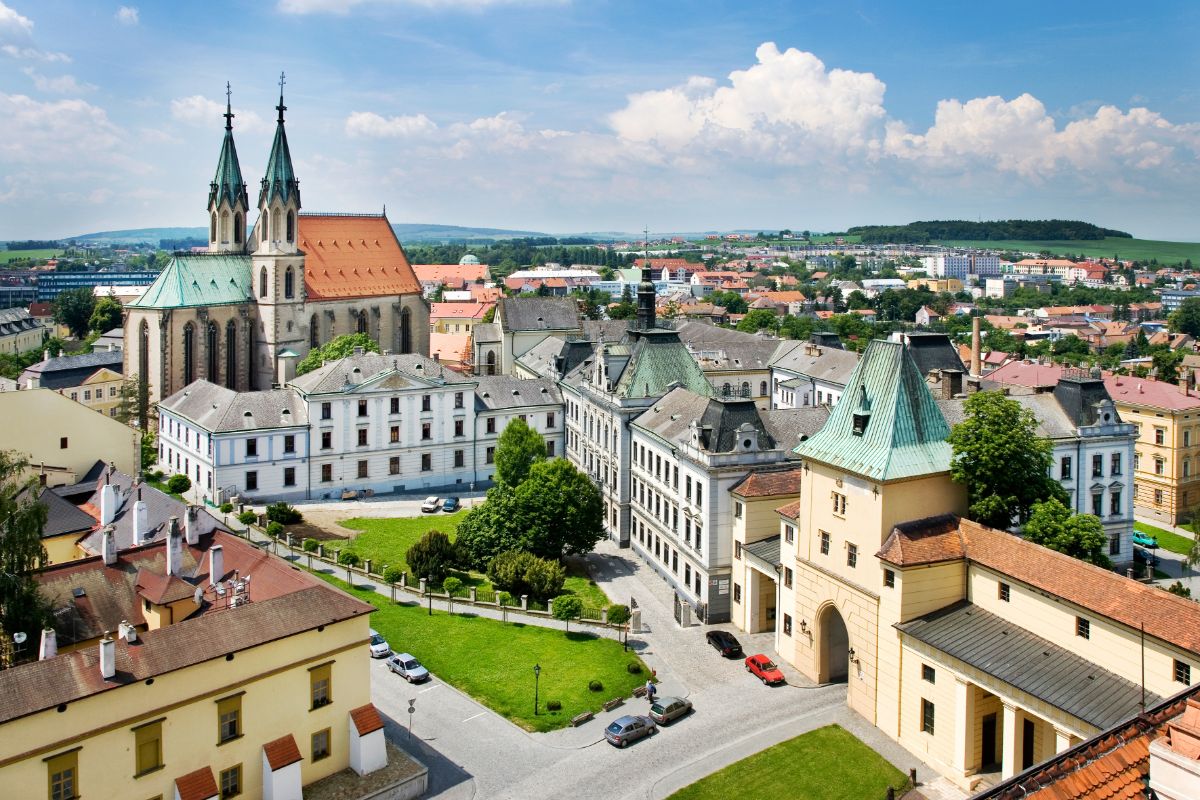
x=457, y=310
x=366, y=719
x=41, y=309
x=351, y=256
x=1149, y=392
x=455, y=274
x=791, y=510
x=198, y=785
x=769, y=483
x=282, y=752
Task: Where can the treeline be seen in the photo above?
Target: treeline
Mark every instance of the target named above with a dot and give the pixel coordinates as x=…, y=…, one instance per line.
x=180, y=244
x=1036, y=230
x=33, y=244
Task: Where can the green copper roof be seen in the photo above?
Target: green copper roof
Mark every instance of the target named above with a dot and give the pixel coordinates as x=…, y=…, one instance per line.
x=903, y=434
x=228, y=183
x=280, y=179
x=199, y=280
x=659, y=359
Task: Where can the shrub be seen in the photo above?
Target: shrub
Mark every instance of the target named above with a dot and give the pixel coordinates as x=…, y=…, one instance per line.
x=154, y=475
x=546, y=578
x=247, y=517
x=567, y=608
x=634, y=668
x=310, y=545
x=504, y=598
x=392, y=574
x=618, y=613
x=226, y=508
x=431, y=556
x=178, y=484
x=452, y=586
x=348, y=558
x=284, y=514
x=274, y=529
x=595, y=686
x=553, y=705
x=519, y=573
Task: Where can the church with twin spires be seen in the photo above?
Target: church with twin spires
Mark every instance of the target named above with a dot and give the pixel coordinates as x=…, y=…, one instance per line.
x=245, y=312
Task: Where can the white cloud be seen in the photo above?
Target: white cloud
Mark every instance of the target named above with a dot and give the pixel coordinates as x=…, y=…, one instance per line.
x=13, y=23
x=127, y=15
x=33, y=54
x=55, y=131
x=367, y=124
x=200, y=110
x=343, y=7
x=63, y=84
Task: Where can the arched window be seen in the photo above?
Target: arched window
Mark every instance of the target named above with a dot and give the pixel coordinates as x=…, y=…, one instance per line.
x=231, y=355
x=212, y=228
x=238, y=222
x=405, y=331
x=491, y=362
x=213, y=345
x=224, y=226
x=262, y=224
x=276, y=224
x=289, y=283
x=314, y=332
x=762, y=388
x=726, y=390
x=745, y=388
x=189, y=353
x=262, y=282
x=362, y=322
x=291, y=227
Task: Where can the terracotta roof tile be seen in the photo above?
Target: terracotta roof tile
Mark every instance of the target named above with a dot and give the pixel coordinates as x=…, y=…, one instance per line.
x=769, y=483
x=162, y=589
x=198, y=785
x=791, y=510
x=455, y=274
x=353, y=256
x=282, y=752
x=366, y=719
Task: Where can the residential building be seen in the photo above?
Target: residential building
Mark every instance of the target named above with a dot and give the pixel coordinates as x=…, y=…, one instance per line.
x=808, y=374
x=93, y=379
x=1172, y=299
x=456, y=317
x=959, y=266
x=450, y=276
x=19, y=332
x=522, y=323
x=63, y=439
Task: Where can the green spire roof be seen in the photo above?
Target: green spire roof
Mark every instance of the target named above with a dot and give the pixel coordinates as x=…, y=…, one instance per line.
x=659, y=359
x=280, y=179
x=886, y=426
x=228, y=183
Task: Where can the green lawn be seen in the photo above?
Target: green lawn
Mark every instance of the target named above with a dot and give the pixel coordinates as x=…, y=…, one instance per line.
x=162, y=487
x=12, y=255
x=493, y=661
x=579, y=583
x=1168, y=540
x=1165, y=252
x=385, y=541
x=826, y=764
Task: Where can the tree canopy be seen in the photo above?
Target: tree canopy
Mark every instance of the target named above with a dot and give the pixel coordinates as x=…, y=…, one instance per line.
x=106, y=315
x=74, y=308
x=1186, y=318
x=517, y=450
x=1051, y=524
x=758, y=319
x=22, y=519
x=339, y=347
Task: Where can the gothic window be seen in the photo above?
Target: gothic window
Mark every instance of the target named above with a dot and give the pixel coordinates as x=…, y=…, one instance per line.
x=212, y=345
x=212, y=228
x=276, y=224
x=231, y=355
x=224, y=226
x=405, y=331
x=491, y=362
x=143, y=366
x=262, y=223
x=361, y=322
x=289, y=283
x=238, y=222
x=314, y=331
x=291, y=227
x=262, y=282
x=189, y=353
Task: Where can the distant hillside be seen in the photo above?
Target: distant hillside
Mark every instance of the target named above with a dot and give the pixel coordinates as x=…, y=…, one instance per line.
x=138, y=236
x=405, y=232
x=1029, y=230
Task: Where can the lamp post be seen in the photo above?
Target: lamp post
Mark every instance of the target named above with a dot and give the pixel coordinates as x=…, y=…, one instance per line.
x=537, y=673
x=429, y=592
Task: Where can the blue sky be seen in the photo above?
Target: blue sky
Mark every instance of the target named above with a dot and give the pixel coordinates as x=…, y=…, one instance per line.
x=587, y=115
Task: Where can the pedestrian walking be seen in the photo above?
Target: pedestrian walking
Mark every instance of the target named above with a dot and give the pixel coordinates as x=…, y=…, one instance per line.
x=650, y=690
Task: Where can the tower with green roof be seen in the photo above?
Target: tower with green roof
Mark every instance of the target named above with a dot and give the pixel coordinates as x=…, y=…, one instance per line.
x=227, y=199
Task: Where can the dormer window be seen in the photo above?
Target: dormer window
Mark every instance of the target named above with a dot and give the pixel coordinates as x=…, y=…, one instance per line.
x=862, y=414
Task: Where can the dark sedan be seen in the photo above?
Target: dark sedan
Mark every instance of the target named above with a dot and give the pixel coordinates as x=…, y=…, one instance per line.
x=725, y=644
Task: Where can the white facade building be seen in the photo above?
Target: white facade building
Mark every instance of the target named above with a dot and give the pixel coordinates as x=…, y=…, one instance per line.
x=807, y=374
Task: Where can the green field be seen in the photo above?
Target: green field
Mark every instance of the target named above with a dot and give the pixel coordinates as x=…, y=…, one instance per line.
x=1138, y=249
x=12, y=255
x=826, y=764
x=493, y=661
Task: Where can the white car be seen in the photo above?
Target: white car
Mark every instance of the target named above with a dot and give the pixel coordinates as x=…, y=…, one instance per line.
x=379, y=645
x=431, y=505
x=408, y=668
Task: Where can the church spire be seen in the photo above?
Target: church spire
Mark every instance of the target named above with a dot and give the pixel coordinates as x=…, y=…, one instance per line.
x=228, y=183
x=645, y=292
x=280, y=179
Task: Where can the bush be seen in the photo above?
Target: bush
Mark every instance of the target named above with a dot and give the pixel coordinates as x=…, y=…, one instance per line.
x=504, y=599
x=452, y=586
x=618, y=614
x=284, y=514
x=274, y=529
x=567, y=608
x=634, y=668
x=553, y=705
x=247, y=517
x=226, y=508
x=431, y=556
x=392, y=575
x=595, y=686
x=519, y=573
x=178, y=484
x=154, y=475
x=311, y=545
x=348, y=558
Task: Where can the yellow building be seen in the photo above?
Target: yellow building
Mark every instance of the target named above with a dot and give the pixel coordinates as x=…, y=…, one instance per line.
x=938, y=285
x=190, y=667
x=756, y=543
x=63, y=439
x=456, y=317
x=93, y=379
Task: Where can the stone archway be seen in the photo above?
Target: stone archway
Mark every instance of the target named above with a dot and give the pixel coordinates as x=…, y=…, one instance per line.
x=833, y=654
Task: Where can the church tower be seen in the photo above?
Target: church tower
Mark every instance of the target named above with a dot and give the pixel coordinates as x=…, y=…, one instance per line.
x=277, y=273
x=227, y=199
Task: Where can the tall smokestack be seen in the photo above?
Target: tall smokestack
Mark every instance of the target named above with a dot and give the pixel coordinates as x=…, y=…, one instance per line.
x=976, y=354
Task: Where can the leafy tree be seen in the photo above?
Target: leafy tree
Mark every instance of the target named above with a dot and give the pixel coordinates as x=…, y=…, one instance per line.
x=518, y=572
x=757, y=320
x=732, y=302
x=1051, y=524
x=178, y=484
x=567, y=607
x=1186, y=318
x=490, y=315
x=284, y=514
x=149, y=451
x=390, y=574
x=340, y=347
x=857, y=300
x=559, y=509
x=1166, y=364
x=432, y=556
x=519, y=448
x=22, y=518
x=618, y=614
x=800, y=328
x=107, y=314
x=625, y=309
x=74, y=308
x=1179, y=589
x=1001, y=460
x=489, y=529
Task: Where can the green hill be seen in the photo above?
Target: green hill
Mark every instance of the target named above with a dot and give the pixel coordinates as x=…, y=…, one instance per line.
x=1109, y=247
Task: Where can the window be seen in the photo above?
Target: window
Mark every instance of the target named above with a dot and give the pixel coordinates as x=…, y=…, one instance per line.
x=62, y=443
x=550, y=420
x=394, y=465
x=550, y=449
x=787, y=577
x=458, y=427
x=289, y=283
x=1083, y=628
x=320, y=745
x=251, y=481
x=1160, y=435
x=737, y=509
x=251, y=448
x=490, y=456
x=1187, y=437
x=458, y=399
x=362, y=437
x=889, y=578
x=1003, y=592
x=1159, y=465
x=231, y=781
x=839, y=504
x=1115, y=466
x=460, y=458
x=1114, y=545
x=851, y=555
x=326, y=410
x=1064, y=471
x=926, y=716
x=824, y=543
x=1137, y=461
x=426, y=402
x=147, y=747
x=362, y=408
x=362, y=469
x=1114, y=502
x=687, y=483
x=426, y=462
x=787, y=624
x=928, y=673
x=1158, y=497
x=320, y=685
x=394, y=434
x=62, y=772
x=289, y=476
x=426, y=430
x=789, y=534
x=491, y=425
x=229, y=718
x=289, y=444
x=1098, y=504
x=326, y=440
x=1097, y=466
x=737, y=549
x=737, y=593
x=87, y=394
x=699, y=494
x=1183, y=673
x=326, y=473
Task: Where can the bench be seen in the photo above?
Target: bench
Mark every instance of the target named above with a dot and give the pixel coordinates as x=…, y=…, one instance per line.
x=639, y=691
x=611, y=704
x=579, y=719
x=349, y=494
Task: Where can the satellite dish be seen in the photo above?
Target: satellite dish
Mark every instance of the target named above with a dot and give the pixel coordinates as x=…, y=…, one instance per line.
x=19, y=637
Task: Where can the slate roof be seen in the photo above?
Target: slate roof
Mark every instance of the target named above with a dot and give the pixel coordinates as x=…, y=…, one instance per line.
x=542, y=357
x=720, y=420
x=765, y=549
x=538, y=314
x=822, y=363
x=65, y=372
x=410, y=370
x=486, y=332
x=905, y=435
x=932, y=351
x=218, y=409
x=504, y=391
x=1034, y=665
x=195, y=280
x=62, y=517
x=160, y=508
x=15, y=320
x=791, y=426
x=769, y=483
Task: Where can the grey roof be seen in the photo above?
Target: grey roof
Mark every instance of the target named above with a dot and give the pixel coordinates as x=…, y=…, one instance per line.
x=160, y=508
x=693, y=330
x=611, y=330
x=406, y=371
x=62, y=517
x=220, y=410
x=716, y=356
x=791, y=426
x=1054, y=421
x=538, y=314
x=722, y=421
x=765, y=549
x=1039, y=667
x=63, y=372
x=504, y=391
x=542, y=358
x=657, y=359
x=15, y=320
x=486, y=332
x=932, y=351
x=815, y=361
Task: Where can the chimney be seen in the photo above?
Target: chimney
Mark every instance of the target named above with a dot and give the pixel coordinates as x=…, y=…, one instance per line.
x=976, y=354
x=127, y=632
x=141, y=522
x=46, y=354
x=216, y=564
x=191, y=523
x=49, y=645
x=108, y=657
x=108, y=546
x=174, y=548
x=1183, y=381
x=108, y=504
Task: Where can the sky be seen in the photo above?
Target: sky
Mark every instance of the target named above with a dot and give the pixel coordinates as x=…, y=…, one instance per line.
x=604, y=115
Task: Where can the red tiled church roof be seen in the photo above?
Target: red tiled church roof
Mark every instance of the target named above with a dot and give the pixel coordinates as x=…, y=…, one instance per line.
x=353, y=256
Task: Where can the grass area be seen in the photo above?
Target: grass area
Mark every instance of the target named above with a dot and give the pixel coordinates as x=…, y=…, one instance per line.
x=13, y=255
x=162, y=487
x=385, y=541
x=580, y=584
x=493, y=661
x=826, y=764
x=1165, y=252
x=1168, y=540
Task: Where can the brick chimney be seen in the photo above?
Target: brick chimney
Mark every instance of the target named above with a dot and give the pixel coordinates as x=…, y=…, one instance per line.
x=976, y=353
x=174, y=547
x=49, y=645
x=108, y=657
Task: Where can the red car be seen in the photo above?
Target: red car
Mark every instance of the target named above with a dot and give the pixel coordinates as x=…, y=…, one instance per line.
x=765, y=669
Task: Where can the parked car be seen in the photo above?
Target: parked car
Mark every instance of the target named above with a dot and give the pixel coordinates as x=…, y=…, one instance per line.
x=451, y=504
x=379, y=645
x=666, y=709
x=408, y=668
x=1141, y=556
x=1145, y=539
x=725, y=643
x=629, y=728
x=764, y=668
x=431, y=505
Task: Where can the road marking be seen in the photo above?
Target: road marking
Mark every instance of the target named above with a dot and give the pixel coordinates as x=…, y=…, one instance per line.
x=430, y=689
x=480, y=714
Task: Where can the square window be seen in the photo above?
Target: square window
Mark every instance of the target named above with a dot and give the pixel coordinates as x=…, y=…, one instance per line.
x=889, y=578
x=824, y=543
x=1183, y=673
x=320, y=745
x=926, y=716
x=928, y=673
x=1003, y=592
x=852, y=555
x=231, y=781
x=839, y=504
x=1083, y=628
x=62, y=443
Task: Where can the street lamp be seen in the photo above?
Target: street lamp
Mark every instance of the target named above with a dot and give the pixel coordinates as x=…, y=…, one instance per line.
x=429, y=591
x=537, y=673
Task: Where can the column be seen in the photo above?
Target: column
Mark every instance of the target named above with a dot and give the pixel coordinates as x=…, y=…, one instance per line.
x=964, y=726
x=1062, y=739
x=1012, y=719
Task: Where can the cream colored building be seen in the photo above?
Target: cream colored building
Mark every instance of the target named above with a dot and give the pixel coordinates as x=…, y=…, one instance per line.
x=19, y=332
x=758, y=575
x=64, y=437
